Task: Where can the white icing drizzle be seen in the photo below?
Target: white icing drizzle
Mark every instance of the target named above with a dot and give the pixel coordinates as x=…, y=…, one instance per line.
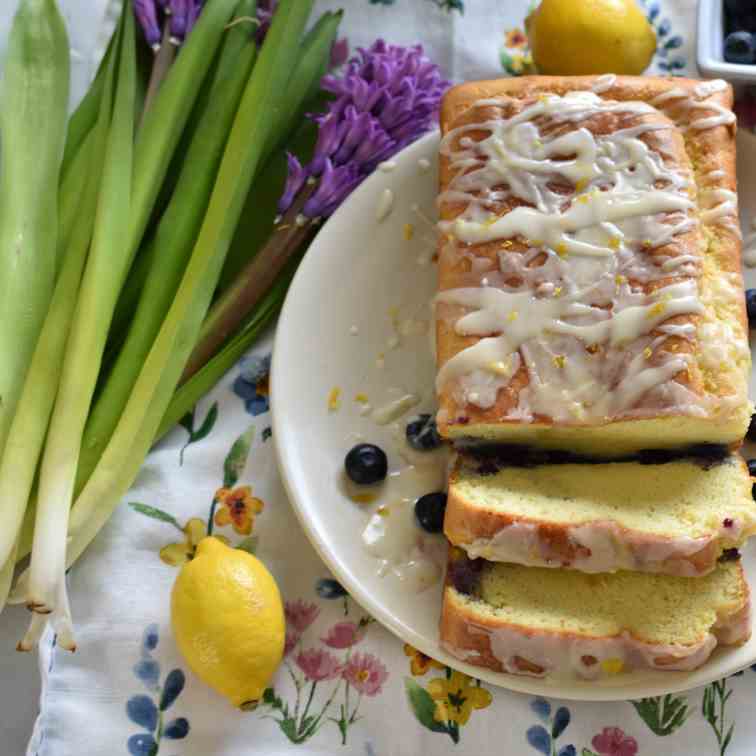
x=724, y=211
x=720, y=207
x=385, y=205
x=391, y=536
x=605, y=546
x=722, y=116
x=597, y=247
x=603, y=83
x=522, y=651
x=394, y=409
x=707, y=88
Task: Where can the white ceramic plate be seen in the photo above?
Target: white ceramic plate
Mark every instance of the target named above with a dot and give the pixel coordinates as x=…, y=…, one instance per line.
x=356, y=271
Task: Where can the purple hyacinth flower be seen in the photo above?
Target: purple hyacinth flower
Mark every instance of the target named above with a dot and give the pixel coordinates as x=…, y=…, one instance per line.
x=294, y=182
x=180, y=13
x=376, y=143
x=330, y=134
x=339, y=52
x=386, y=98
x=358, y=126
x=265, y=11
x=194, y=14
x=334, y=187
x=146, y=15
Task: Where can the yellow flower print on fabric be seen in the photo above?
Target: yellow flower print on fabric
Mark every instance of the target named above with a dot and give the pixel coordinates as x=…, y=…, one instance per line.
x=238, y=508
x=456, y=697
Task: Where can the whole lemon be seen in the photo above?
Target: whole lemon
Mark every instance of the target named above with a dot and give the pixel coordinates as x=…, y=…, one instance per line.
x=228, y=621
x=573, y=37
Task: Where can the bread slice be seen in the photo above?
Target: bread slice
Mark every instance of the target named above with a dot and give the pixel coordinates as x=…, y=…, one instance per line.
x=568, y=624
x=524, y=312
x=675, y=518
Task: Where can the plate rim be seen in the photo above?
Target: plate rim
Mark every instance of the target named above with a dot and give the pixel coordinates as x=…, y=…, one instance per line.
x=577, y=690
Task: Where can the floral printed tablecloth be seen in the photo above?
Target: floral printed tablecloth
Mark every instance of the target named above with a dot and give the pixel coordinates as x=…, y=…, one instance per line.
x=347, y=685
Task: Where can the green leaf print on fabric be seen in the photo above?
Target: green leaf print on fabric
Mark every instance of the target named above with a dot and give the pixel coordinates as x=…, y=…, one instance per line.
x=715, y=699
x=422, y=705
x=236, y=460
x=663, y=714
x=154, y=513
x=447, y=702
x=187, y=422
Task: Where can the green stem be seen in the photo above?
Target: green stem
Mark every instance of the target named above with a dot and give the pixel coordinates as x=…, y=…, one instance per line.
x=250, y=287
x=159, y=733
x=453, y=729
x=188, y=394
x=172, y=245
x=356, y=709
x=210, y=523
x=314, y=726
x=300, y=727
x=33, y=125
x=107, y=261
x=162, y=62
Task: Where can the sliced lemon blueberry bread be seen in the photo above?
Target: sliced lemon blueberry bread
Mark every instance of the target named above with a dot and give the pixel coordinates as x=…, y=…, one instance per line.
x=675, y=518
x=564, y=623
x=591, y=303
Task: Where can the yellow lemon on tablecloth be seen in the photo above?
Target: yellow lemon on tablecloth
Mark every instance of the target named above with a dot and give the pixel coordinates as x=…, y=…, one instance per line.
x=228, y=621
x=572, y=37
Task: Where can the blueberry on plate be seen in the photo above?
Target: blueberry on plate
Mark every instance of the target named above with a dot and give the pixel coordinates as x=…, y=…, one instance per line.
x=422, y=434
x=750, y=296
x=366, y=464
x=739, y=47
x=429, y=510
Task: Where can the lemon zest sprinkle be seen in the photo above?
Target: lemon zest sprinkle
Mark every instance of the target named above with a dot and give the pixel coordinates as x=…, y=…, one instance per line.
x=334, y=401
x=612, y=666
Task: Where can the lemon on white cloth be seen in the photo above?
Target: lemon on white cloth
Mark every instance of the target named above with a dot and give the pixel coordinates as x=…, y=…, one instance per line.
x=573, y=37
x=228, y=621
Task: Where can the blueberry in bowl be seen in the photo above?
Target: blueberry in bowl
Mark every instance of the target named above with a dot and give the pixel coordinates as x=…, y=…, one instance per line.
x=739, y=47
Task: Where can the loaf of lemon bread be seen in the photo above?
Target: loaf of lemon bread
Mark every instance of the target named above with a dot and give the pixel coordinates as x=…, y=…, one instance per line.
x=590, y=289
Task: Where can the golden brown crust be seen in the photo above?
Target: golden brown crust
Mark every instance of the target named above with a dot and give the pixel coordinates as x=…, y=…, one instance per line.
x=466, y=522
x=699, y=151
x=467, y=634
